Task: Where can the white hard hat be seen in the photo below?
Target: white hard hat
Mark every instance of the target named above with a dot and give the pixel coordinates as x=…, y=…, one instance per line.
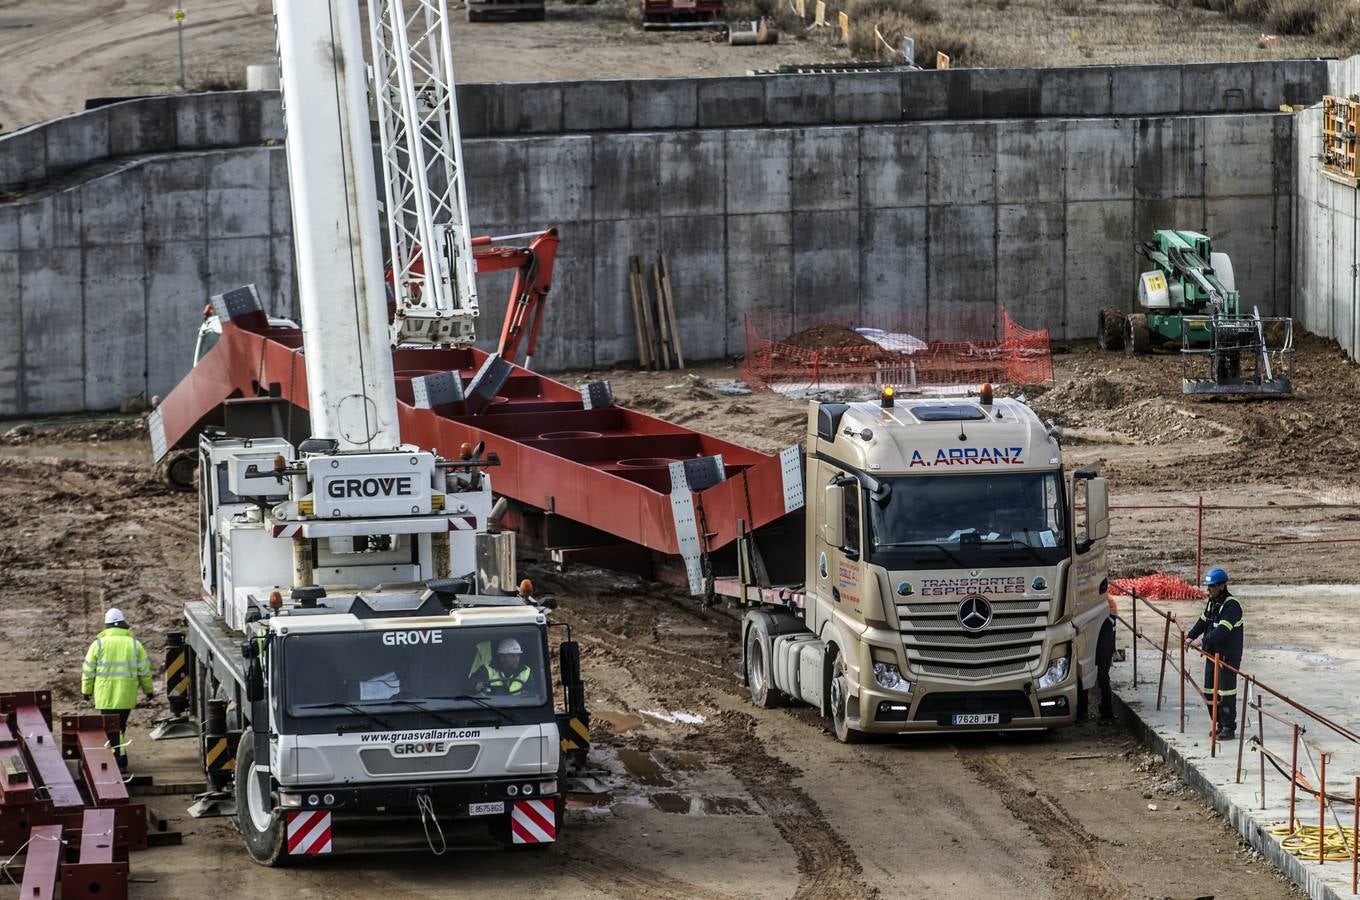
x=509, y=645
x=113, y=616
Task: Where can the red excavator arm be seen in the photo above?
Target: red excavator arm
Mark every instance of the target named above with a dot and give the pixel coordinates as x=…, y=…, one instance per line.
x=528, y=294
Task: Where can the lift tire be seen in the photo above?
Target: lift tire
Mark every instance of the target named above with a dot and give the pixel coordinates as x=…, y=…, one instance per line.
x=1137, y=335
x=838, y=702
x=1110, y=328
x=763, y=693
x=180, y=470
x=264, y=831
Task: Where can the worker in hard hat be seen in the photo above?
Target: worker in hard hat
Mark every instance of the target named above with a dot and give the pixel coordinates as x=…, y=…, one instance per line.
x=504, y=674
x=1219, y=632
x=115, y=666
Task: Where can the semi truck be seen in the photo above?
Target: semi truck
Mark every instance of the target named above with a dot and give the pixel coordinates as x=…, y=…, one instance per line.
x=953, y=573
x=360, y=652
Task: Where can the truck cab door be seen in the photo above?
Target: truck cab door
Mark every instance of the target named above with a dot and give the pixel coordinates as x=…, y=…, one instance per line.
x=839, y=567
x=1087, y=582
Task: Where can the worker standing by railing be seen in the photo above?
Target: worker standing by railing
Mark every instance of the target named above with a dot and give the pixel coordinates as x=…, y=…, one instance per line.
x=1219, y=633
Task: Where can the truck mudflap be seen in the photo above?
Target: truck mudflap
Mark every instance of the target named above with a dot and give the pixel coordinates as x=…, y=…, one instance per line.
x=309, y=833
x=533, y=822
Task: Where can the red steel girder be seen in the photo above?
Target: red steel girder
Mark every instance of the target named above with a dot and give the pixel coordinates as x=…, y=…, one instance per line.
x=16, y=783
x=89, y=739
x=606, y=468
x=41, y=858
x=32, y=713
x=96, y=874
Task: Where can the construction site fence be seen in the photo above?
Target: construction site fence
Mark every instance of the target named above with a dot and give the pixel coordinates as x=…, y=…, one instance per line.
x=1206, y=538
x=785, y=352
x=1287, y=737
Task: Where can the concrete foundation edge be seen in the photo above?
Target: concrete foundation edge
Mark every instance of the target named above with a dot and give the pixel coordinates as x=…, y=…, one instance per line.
x=1260, y=840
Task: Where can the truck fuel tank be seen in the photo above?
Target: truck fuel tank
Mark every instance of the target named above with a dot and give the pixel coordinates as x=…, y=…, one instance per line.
x=798, y=666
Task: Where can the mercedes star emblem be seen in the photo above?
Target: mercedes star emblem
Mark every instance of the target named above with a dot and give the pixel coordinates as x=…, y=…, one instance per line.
x=975, y=613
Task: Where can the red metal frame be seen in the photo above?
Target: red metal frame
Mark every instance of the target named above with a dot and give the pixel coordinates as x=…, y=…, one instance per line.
x=41, y=860
x=96, y=874
x=605, y=468
x=88, y=739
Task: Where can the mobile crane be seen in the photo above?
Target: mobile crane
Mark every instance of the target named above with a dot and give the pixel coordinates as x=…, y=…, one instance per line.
x=360, y=648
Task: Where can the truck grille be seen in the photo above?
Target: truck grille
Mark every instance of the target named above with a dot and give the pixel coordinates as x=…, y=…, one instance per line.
x=938, y=645
x=380, y=761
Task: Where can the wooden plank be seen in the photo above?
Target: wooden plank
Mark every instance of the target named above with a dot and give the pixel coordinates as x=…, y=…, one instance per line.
x=663, y=327
x=648, y=325
x=644, y=357
x=670, y=309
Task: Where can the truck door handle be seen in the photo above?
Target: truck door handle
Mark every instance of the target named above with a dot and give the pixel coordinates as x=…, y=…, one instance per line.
x=836, y=594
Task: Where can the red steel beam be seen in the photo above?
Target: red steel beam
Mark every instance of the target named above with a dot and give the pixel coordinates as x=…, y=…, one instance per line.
x=32, y=712
x=40, y=863
x=604, y=468
x=96, y=874
x=88, y=739
x=16, y=783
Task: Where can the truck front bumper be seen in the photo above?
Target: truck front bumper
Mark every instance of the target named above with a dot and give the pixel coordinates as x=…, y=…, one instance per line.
x=940, y=708
x=457, y=799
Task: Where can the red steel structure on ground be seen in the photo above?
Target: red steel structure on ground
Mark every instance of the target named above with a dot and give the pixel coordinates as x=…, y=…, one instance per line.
x=791, y=353
x=596, y=482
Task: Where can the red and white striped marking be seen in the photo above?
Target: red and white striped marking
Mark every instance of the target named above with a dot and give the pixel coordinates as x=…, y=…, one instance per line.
x=288, y=529
x=462, y=523
x=309, y=833
x=533, y=822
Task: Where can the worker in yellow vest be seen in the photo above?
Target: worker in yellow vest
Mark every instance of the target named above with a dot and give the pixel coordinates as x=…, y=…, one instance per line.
x=504, y=674
x=115, y=666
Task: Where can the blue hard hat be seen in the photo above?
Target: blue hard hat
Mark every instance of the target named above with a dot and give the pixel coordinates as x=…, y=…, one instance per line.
x=1215, y=576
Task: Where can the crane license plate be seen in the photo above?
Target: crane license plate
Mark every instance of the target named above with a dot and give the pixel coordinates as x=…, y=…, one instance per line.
x=486, y=809
x=977, y=719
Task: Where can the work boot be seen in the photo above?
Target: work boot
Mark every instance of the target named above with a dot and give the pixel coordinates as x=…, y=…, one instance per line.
x=1227, y=734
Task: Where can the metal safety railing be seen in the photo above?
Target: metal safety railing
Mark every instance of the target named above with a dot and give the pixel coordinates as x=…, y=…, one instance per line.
x=1308, y=842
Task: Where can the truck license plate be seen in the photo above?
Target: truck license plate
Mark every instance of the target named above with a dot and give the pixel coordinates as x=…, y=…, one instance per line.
x=977, y=719
x=486, y=809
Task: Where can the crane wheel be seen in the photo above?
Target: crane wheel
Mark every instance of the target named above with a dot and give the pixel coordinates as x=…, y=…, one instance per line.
x=179, y=470
x=1137, y=336
x=262, y=829
x=1110, y=328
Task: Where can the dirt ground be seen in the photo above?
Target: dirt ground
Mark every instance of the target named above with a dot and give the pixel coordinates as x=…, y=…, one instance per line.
x=56, y=53
x=709, y=796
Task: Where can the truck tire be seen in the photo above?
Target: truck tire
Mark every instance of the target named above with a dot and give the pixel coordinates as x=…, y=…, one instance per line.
x=1137, y=336
x=763, y=693
x=179, y=470
x=262, y=829
x=1110, y=328
x=839, y=701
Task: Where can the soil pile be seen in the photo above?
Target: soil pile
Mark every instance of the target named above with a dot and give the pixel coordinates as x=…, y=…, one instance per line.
x=826, y=337
x=58, y=432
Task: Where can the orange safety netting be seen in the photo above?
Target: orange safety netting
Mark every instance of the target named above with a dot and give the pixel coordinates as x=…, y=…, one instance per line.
x=791, y=353
x=1157, y=586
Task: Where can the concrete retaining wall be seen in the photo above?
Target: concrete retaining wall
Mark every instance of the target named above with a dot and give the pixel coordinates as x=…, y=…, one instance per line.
x=1038, y=215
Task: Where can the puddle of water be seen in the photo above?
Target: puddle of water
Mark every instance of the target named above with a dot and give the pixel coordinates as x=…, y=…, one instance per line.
x=617, y=722
x=727, y=806
x=671, y=803
x=644, y=768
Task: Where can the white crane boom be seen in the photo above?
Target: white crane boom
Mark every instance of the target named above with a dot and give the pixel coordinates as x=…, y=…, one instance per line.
x=336, y=231
x=432, y=267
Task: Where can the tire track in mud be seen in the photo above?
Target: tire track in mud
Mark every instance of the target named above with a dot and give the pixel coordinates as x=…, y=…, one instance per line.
x=611, y=875
x=827, y=865
x=1081, y=873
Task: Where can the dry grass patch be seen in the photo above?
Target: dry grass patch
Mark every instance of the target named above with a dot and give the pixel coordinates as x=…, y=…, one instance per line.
x=917, y=19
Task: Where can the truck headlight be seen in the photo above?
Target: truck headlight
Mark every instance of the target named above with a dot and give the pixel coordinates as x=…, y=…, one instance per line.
x=889, y=676
x=290, y=801
x=1056, y=673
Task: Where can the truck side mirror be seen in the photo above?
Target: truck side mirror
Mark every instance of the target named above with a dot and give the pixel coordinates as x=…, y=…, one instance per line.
x=1097, y=509
x=254, y=680
x=570, y=670
x=833, y=515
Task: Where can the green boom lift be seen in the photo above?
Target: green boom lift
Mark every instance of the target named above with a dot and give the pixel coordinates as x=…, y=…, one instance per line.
x=1190, y=298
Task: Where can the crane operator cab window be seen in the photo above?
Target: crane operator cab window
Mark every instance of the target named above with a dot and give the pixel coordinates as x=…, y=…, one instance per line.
x=454, y=672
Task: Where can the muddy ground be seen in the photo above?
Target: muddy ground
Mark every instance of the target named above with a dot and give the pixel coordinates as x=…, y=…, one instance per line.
x=710, y=797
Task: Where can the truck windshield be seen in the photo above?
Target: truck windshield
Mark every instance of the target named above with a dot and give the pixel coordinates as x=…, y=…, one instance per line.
x=952, y=521
x=384, y=673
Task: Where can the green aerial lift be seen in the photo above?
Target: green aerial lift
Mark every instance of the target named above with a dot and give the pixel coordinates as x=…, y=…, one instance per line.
x=1190, y=298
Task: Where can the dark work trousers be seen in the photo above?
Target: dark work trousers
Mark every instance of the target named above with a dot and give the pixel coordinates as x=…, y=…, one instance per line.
x=1104, y=659
x=1227, y=692
x=118, y=752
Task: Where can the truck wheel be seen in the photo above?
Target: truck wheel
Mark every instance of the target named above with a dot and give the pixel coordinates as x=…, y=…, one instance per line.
x=1137, y=337
x=839, y=703
x=758, y=672
x=180, y=470
x=1110, y=328
x=262, y=829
